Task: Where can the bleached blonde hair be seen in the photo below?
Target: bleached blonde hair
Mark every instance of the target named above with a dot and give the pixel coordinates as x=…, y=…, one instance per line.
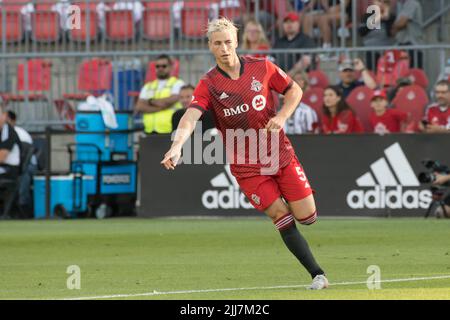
x=219, y=25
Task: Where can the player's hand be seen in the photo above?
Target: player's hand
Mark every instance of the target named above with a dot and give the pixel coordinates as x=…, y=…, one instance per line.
x=276, y=123
x=171, y=158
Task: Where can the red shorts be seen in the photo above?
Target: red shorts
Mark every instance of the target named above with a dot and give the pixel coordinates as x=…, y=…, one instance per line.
x=289, y=182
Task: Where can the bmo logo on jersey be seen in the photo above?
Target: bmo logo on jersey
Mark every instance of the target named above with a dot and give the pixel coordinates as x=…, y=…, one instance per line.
x=237, y=110
x=258, y=103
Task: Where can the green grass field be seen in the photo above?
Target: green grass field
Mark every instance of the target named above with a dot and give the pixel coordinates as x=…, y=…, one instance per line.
x=179, y=258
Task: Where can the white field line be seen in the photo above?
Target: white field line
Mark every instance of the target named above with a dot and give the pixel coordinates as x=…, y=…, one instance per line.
x=157, y=293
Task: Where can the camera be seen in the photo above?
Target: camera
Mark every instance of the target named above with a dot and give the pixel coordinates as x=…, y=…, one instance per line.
x=432, y=166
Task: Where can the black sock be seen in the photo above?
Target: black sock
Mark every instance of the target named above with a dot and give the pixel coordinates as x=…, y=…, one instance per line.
x=297, y=244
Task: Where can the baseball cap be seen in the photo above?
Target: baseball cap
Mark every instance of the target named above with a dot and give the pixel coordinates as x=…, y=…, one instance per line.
x=293, y=16
x=378, y=94
x=346, y=65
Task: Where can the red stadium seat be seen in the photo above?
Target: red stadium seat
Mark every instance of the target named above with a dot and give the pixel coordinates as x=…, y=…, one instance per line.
x=156, y=23
x=232, y=13
x=317, y=78
x=151, y=74
x=13, y=5
x=194, y=18
x=119, y=25
x=94, y=78
x=313, y=97
x=45, y=26
x=419, y=77
x=13, y=26
x=392, y=65
x=411, y=99
x=359, y=100
x=44, y=5
x=83, y=33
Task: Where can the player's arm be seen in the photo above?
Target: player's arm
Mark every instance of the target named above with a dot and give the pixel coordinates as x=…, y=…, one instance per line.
x=292, y=98
x=183, y=132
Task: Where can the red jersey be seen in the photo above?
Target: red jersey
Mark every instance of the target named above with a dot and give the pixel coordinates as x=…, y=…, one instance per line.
x=344, y=122
x=390, y=121
x=438, y=116
x=246, y=105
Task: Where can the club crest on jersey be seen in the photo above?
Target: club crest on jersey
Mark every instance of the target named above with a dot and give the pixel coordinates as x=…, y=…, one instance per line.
x=256, y=85
x=255, y=199
x=259, y=102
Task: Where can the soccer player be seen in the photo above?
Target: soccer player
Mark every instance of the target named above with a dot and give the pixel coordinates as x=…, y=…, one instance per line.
x=238, y=92
x=384, y=120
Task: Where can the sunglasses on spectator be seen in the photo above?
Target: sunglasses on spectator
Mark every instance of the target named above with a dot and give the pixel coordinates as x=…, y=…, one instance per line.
x=161, y=66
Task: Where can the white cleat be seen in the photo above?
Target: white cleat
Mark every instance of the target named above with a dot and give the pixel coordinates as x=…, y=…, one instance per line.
x=319, y=282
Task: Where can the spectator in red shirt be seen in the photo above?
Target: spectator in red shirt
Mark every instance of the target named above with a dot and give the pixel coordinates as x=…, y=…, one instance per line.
x=254, y=38
x=384, y=120
x=437, y=115
x=339, y=118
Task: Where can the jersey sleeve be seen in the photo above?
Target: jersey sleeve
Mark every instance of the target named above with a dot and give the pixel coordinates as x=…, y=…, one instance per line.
x=201, y=99
x=279, y=81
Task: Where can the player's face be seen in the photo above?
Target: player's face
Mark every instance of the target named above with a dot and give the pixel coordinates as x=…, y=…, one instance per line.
x=379, y=104
x=223, y=46
x=330, y=98
x=186, y=97
x=442, y=95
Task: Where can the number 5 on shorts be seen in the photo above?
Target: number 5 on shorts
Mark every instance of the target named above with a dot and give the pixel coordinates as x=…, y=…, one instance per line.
x=302, y=176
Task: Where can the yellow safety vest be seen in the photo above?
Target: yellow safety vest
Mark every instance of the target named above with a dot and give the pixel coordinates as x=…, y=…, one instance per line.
x=161, y=121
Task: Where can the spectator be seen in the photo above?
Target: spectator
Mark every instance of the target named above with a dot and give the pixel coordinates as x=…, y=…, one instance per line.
x=437, y=115
x=159, y=99
x=347, y=75
x=324, y=14
x=407, y=28
x=186, y=93
x=9, y=148
x=338, y=117
x=304, y=119
x=293, y=39
x=374, y=37
x=254, y=38
x=384, y=120
x=25, y=199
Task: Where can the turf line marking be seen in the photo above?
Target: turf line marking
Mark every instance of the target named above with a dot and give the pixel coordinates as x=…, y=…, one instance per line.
x=156, y=293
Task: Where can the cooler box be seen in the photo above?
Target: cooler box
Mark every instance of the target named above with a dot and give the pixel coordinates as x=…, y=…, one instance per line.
x=66, y=189
x=111, y=144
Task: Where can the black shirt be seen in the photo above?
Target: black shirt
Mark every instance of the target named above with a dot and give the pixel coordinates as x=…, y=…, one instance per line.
x=347, y=89
x=8, y=140
x=206, y=119
x=288, y=60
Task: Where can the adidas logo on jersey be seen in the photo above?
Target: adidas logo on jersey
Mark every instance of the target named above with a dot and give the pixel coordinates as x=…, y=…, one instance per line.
x=226, y=193
x=386, y=188
x=223, y=96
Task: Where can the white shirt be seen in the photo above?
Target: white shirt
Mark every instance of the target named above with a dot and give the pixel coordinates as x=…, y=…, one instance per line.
x=13, y=158
x=302, y=121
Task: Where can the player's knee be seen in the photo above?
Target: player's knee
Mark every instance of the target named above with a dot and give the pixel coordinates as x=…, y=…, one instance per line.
x=307, y=218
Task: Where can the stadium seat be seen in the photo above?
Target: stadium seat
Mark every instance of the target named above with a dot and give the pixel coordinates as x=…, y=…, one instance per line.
x=13, y=26
x=359, y=100
x=119, y=25
x=45, y=26
x=313, y=97
x=156, y=23
x=83, y=33
x=232, y=13
x=412, y=99
x=392, y=65
x=317, y=78
x=194, y=19
x=150, y=74
x=94, y=78
x=419, y=77
x=33, y=84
